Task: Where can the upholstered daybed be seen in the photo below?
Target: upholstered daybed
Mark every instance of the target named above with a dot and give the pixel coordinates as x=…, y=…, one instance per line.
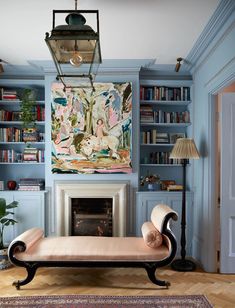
x=156, y=248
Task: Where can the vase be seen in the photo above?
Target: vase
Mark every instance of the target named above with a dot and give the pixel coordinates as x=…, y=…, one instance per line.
x=11, y=185
x=150, y=187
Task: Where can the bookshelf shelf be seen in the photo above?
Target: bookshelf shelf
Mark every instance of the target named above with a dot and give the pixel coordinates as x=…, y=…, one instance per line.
x=17, y=102
x=161, y=165
x=23, y=163
x=23, y=143
x=157, y=144
x=166, y=124
x=20, y=122
x=165, y=103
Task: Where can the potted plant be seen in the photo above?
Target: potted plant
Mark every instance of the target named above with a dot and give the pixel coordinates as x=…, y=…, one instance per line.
x=5, y=221
x=151, y=180
x=28, y=114
x=27, y=108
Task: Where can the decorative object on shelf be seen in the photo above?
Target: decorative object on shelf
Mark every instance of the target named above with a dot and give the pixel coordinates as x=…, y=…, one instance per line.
x=178, y=64
x=27, y=106
x=11, y=185
x=30, y=134
x=4, y=222
x=184, y=149
x=151, y=180
x=175, y=136
x=1, y=65
x=1, y=185
x=77, y=44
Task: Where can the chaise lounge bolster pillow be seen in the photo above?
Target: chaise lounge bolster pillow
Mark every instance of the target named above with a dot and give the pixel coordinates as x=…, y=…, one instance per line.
x=28, y=238
x=151, y=235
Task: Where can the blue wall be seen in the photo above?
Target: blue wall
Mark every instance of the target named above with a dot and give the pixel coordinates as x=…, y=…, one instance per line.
x=213, y=59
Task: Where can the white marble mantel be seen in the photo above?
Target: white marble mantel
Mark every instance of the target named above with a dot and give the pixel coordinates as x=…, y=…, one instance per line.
x=65, y=191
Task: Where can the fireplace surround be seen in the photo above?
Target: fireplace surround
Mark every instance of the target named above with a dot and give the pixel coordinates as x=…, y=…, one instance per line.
x=65, y=191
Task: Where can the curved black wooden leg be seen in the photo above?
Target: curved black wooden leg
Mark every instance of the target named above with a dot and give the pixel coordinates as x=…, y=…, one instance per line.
x=152, y=276
x=31, y=270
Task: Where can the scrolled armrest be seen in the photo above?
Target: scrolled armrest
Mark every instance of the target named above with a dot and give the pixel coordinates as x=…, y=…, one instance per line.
x=160, y=216
x=24, y=241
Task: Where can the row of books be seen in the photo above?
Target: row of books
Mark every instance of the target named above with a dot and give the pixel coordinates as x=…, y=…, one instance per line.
x=39, y=113
x=12, y=156
x=8, y=156
x=161, y=116
x=32, y=184
x=160, y=158
x=153, y=137
x=165, y=93
x=8, y=94
x=13, y=134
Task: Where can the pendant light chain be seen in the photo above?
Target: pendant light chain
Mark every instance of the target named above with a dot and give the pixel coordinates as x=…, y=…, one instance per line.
x=76, y=5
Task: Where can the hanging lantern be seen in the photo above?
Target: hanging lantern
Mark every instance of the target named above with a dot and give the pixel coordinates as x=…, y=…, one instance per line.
x=75, y=48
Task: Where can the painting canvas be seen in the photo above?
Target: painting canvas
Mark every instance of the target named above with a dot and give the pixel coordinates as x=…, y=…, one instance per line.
x=91, y=130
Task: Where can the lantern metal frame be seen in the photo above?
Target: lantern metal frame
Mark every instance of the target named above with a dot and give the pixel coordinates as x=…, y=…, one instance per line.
x=73, y=34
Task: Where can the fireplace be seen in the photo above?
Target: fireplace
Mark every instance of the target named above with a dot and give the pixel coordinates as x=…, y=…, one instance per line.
x=98, y=206
x=91, y=216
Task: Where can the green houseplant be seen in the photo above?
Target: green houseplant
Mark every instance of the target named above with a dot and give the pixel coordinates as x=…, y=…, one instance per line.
x=27, y=108
x=5, y=220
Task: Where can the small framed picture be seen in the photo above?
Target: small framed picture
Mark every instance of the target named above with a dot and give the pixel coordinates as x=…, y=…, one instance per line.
x=175, y=136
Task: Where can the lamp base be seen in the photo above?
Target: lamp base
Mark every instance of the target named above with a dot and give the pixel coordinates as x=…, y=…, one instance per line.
x=181, y=265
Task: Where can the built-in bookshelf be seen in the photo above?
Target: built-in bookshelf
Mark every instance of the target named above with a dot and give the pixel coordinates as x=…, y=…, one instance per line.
x=165, y=116
x=21, y=148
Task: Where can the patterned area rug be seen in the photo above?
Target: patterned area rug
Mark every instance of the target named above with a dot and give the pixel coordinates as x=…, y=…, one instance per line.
x=90, y=301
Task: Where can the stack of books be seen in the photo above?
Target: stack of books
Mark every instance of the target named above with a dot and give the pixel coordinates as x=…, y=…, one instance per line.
x=146, y=114
x=30, y=155
x=174, y=187
x=8, y=94
x=33, y=184
x=162, y=138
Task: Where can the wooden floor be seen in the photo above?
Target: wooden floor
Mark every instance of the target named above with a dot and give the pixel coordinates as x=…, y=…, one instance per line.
x=219, y=289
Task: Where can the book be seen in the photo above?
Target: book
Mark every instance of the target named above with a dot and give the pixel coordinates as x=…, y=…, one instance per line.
x=174, y=187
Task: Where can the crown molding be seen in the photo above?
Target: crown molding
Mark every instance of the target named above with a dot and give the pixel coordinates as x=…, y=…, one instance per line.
x=37, y=69
x=210, y=33
x=107, y=67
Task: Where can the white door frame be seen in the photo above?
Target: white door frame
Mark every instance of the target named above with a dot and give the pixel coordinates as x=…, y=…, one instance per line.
x=214, y=87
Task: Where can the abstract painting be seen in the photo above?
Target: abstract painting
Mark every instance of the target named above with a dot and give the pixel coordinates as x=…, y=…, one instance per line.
x=91, y=130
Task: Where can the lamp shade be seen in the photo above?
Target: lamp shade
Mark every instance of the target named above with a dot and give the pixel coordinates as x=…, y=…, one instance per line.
x=185, y=148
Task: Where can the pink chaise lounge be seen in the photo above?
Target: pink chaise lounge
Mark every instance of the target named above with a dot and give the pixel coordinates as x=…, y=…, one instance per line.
x=32, y=250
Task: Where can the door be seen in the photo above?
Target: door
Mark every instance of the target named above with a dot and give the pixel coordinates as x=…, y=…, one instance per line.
x=227, y=209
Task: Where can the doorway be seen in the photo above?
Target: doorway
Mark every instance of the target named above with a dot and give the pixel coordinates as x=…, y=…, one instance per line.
x=223, y=114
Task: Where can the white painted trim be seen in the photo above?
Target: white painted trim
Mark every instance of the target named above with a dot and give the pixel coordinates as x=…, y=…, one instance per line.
x=225, y=77
x=65, y=191
x=211, y=204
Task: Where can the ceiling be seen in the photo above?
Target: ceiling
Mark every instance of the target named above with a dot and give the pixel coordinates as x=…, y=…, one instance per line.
x=129, y=29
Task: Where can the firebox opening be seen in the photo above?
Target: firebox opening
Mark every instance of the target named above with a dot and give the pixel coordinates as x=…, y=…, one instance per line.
x=91, y=216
